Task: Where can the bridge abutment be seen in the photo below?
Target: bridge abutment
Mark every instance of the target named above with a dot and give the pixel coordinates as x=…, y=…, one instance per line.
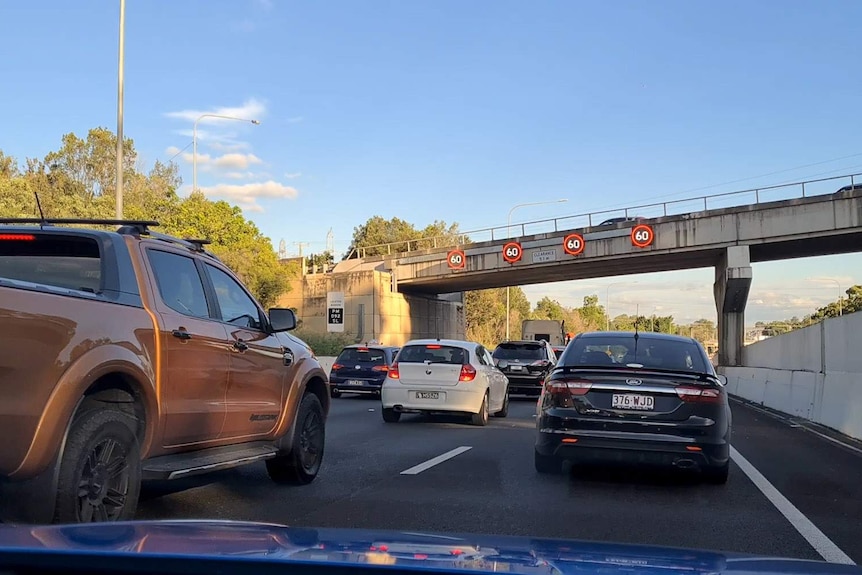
x=732, y=284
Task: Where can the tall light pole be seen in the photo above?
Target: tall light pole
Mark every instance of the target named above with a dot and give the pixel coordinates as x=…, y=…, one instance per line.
x=121, y=66
x=508, y=232
x=608, y=302
x=195, y=141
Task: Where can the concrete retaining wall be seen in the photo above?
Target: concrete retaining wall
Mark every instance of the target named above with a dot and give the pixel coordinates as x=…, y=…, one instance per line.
x=814, y=373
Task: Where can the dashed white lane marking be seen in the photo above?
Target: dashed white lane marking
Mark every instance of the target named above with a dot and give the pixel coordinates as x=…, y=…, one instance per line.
x=822, y=544
x=417, y=469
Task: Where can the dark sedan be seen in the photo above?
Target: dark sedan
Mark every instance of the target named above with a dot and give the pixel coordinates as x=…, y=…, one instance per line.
x=525, y=364
x=634, y=398
x=361, y=369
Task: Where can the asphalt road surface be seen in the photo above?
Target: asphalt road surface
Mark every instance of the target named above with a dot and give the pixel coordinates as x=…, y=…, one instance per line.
x=793, y=490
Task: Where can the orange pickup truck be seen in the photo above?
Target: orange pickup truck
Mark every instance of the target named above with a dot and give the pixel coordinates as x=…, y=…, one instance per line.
x=130, y=355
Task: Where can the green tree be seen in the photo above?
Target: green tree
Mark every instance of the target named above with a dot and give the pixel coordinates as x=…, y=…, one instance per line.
x=78, y=180
x=547, y=308
x=401, y=236
x=485, y=314
x=321, y=262
x=592, y=314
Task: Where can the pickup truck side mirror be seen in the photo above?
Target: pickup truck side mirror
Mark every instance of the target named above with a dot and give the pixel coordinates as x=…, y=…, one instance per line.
x=282, y=319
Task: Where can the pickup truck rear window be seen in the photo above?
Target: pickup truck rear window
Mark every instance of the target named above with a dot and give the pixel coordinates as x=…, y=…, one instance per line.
x=71, y=262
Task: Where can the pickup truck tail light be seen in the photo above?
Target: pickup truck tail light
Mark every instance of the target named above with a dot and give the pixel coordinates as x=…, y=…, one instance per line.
x=468, y=373
x=393, y=372
x=698, y=394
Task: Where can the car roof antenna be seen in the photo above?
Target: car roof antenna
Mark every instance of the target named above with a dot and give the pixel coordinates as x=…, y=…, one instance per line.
x=39, y=206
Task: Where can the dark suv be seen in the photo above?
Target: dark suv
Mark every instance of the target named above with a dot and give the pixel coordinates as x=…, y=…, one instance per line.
x=361, y=369
x=525, y=363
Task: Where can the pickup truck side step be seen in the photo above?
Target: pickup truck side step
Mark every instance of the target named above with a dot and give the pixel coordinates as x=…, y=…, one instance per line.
x=179, y=465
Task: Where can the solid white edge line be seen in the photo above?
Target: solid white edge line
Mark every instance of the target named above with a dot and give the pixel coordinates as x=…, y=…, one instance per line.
x=816, y=538
x=417, y=469
x=798, y=424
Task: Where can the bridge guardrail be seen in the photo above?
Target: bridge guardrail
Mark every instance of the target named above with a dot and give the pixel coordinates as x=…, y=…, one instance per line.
x=586, y=220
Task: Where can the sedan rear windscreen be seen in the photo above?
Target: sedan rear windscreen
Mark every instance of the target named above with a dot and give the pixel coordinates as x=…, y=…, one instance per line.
x=354, y=355
x=520, y=351
x=433, y=353
x=608, y=351
x=70, y=262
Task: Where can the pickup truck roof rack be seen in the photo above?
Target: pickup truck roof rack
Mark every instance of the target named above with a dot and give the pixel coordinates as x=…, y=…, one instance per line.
x=135, y=228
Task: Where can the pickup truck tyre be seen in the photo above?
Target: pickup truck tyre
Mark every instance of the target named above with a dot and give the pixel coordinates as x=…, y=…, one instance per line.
x=302, y=464
x=100, y=470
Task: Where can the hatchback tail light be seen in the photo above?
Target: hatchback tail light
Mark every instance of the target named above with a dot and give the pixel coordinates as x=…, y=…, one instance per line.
x=336, y=366
x=393, y=372
x=540, y=363
x=468, y=373
x=18, y=237
x=698, y=394
x=380, y=368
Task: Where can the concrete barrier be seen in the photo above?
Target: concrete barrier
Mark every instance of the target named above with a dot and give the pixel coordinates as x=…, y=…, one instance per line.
x=814, y=373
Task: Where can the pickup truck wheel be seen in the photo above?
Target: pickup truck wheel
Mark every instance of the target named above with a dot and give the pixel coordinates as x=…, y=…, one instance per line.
x=100, y=471
x=302, y=464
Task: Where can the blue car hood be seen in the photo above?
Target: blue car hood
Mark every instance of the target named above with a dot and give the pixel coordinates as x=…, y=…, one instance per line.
x=419, y=551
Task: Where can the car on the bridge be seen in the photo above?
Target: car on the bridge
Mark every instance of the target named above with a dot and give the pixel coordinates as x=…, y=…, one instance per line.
x=131, y=355
x=615, y=221
x=361, y=368
x=662, y=403
x=445, y=376
x=526, y=363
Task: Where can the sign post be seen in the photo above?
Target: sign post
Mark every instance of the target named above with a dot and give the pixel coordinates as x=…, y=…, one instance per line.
x=335, y=312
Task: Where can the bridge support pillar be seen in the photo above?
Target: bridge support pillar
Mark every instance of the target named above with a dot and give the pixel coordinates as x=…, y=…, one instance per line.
x=732, y=284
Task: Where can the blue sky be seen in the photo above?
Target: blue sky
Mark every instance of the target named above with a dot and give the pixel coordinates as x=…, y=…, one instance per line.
x=444, y=109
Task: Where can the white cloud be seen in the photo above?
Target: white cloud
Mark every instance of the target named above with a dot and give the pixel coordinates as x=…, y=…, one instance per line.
x=246, y=195
x=292, y=175
x=236, y=161
x=172, y=151
x=226, y=145
x=246, y=175
x=251, y=109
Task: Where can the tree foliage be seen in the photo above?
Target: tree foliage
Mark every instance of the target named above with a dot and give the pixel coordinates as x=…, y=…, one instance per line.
x=78, y=181
x=402, y=236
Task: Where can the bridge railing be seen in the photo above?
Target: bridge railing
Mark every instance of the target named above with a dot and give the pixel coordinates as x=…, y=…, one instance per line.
x=759, y=195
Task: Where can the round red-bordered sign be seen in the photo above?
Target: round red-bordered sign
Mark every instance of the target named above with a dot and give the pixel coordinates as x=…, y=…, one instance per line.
x=456, y=259
x=512, y=252
x=642, y=236
x=573, y=244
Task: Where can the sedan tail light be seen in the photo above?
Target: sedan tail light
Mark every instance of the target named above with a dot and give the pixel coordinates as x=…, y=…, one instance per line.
x=468, y=373
x=559, y=392
x=698, y=394
x=393, y=372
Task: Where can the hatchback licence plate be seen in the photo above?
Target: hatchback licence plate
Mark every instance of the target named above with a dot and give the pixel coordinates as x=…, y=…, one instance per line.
x=355, y=382
x=632, y=401
x=427, y=395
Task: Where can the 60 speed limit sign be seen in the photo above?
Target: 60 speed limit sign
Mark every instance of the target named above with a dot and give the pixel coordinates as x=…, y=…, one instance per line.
x=642, y=236
x=456, y=259
x=573, y=244
x=512, y=252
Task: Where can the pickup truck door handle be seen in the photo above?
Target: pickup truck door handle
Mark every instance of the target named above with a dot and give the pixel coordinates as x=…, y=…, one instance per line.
x=240, y=345
x=181, y=333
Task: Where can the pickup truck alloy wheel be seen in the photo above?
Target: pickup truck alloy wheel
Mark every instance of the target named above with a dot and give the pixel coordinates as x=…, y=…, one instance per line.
x=302, y=464
x=100, y=472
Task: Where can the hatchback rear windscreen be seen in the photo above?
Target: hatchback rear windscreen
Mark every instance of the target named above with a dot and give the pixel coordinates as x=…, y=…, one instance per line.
x=433, y=353
x=607, y=351
x=519, y=351
x=70, y=262
x=354, y=355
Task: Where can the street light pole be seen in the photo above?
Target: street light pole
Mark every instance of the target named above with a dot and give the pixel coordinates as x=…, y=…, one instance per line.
x=195, y=141
x=508, y=232
x=121, y=66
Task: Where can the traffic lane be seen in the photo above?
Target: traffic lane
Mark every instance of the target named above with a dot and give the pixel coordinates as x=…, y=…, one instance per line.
x=494, y=489
x=361, y=450
x=819, y=477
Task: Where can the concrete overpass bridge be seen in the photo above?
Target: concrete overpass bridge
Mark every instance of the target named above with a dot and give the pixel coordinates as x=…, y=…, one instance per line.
x=729, y=239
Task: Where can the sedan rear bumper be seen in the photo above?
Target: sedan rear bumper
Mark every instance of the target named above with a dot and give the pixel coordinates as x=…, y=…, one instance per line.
x=632, y=448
